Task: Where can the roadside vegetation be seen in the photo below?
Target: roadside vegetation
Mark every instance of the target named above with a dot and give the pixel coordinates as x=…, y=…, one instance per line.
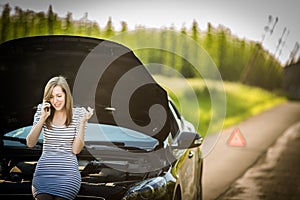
x=237, y=59
x=242, y=102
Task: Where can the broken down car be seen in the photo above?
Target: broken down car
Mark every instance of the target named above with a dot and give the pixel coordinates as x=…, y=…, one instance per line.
x=137, y=144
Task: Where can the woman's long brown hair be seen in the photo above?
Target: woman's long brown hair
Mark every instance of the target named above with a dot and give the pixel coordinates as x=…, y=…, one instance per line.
x=62, y=82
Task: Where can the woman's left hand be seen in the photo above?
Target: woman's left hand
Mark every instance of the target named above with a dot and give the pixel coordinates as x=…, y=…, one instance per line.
x=87, y=115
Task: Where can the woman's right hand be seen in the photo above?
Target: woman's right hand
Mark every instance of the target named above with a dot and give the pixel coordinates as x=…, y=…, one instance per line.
x=46, y=109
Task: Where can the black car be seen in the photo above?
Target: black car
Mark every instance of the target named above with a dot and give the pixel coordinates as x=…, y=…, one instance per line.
x=137, y=145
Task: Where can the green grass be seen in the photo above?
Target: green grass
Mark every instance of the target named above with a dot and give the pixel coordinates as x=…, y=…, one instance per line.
x=212, y=106
x=245, y=101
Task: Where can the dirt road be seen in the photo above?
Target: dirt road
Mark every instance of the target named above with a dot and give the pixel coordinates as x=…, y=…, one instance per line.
x=276, y=175
x=225, y=164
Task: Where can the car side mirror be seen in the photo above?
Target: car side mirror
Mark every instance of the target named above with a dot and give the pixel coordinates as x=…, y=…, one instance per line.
x=188, y=140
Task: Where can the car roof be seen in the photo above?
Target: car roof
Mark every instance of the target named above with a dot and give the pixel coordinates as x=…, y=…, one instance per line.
x=124, y=91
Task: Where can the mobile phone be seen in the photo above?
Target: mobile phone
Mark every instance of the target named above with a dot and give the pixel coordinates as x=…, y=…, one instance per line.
x=47, y=109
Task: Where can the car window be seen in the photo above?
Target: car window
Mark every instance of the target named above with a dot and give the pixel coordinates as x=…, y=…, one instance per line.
x=175, y=120
x=102, y=133
x=174, y=110
x=21, y=133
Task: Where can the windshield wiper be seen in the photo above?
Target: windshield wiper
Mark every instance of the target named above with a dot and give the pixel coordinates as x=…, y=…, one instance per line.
x=111, y=144
x=106, y=143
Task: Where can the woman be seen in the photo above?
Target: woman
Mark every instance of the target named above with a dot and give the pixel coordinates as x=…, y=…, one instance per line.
x=57, y=175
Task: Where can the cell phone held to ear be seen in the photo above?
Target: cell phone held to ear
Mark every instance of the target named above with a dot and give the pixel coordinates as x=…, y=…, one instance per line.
x=47, y=109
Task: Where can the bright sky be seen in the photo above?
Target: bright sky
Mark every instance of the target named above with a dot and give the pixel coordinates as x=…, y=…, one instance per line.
x=245, y=18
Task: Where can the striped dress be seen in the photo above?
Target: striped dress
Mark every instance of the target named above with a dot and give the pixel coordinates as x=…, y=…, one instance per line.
x=57, y=170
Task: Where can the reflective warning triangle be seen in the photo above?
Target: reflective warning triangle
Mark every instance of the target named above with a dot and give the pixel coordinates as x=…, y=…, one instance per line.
x=236, y=139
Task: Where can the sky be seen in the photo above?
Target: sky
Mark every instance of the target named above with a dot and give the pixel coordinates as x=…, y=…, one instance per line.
x=245, y=18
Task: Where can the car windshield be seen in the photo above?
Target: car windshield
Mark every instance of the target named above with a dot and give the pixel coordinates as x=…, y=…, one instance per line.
x=102, y=134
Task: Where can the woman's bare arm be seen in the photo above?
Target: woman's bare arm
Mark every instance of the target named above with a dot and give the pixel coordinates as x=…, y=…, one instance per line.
x=78, y=142
x=33, y=136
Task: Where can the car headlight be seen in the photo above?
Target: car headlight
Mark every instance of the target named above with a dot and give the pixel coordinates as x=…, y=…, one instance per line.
x=154, y=188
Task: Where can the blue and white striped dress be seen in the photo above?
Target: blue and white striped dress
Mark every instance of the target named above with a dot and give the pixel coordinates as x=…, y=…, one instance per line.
x=57, y=170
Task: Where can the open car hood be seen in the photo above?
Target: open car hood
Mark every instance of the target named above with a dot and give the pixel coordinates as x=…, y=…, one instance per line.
x=101, y=74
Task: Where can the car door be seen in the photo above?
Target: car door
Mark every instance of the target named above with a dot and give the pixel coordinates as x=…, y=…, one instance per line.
x=189, y=160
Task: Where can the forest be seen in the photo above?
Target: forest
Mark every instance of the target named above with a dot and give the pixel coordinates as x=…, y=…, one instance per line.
x=237, y=59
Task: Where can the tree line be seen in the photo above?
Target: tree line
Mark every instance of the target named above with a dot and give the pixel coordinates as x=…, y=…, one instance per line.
x=237, y=59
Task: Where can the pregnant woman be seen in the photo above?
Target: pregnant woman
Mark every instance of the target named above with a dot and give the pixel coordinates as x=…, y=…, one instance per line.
x=57, y=175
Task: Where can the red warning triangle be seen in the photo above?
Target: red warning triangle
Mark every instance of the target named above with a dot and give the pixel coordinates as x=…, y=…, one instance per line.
x=236, y=139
